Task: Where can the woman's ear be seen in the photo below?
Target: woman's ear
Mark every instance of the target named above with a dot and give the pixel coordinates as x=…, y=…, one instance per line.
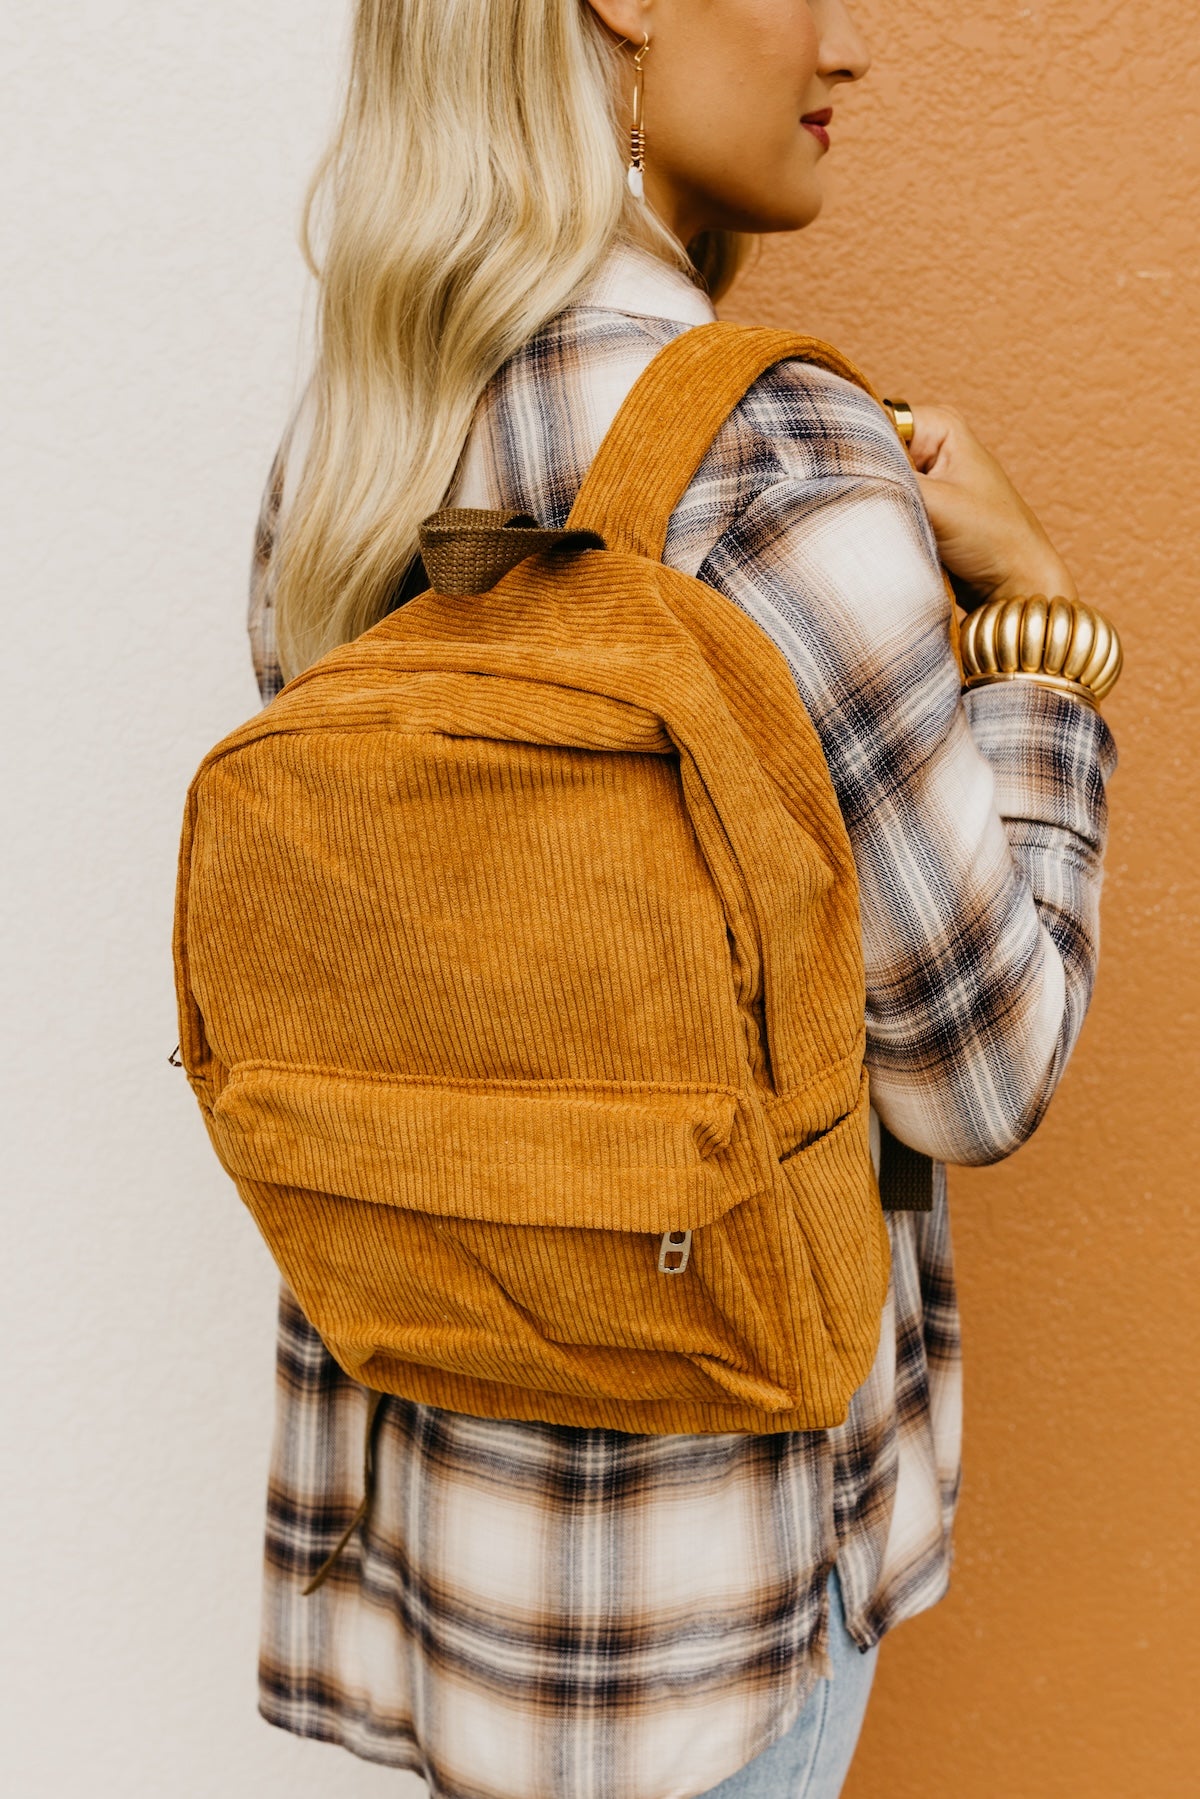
x=629, y=19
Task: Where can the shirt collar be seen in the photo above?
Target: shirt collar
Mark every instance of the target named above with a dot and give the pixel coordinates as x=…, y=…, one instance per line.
x=632, y=280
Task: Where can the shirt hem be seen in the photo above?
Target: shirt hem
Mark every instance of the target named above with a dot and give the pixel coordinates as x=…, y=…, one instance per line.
x=338, y=1736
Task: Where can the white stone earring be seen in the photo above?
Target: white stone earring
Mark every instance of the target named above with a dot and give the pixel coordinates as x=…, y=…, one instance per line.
x=637, y=136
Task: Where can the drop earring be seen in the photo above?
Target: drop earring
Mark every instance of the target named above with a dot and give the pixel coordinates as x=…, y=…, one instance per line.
x=637, y=136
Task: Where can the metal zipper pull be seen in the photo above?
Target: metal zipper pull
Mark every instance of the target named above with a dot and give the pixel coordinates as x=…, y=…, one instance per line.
x=674, y=1251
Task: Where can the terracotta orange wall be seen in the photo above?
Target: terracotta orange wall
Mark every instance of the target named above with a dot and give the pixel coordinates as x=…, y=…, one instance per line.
x=1013, y=227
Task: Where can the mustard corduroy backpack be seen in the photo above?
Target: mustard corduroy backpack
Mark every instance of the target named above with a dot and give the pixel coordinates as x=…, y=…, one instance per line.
x=520, y=977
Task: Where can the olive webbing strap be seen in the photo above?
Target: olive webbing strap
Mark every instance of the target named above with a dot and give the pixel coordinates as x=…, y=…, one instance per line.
x=370, y=1432
x=669, y=419
x=905, y=1176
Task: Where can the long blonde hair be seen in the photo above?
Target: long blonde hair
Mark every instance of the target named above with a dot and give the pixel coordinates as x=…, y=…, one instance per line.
x=474, y=183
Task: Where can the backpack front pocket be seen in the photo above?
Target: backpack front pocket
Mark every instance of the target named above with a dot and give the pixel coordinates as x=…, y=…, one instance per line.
x=510, y=1233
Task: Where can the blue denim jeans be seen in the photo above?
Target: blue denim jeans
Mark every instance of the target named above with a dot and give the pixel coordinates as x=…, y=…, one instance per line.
x=812, y=1760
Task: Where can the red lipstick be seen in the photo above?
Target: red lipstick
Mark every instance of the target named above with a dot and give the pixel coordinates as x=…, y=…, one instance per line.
x=817, y=123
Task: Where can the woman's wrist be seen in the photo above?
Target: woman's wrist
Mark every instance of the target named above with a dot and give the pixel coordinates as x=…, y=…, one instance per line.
x=1049, y=575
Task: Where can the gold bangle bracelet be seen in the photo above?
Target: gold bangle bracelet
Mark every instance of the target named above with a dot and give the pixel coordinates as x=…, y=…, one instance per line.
x=1055, y=643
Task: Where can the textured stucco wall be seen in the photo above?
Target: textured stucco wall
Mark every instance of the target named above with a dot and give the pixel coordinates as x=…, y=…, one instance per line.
x=1012, y=226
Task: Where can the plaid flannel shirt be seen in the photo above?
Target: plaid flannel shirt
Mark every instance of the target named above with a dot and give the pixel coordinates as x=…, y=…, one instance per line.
x=537, y=1612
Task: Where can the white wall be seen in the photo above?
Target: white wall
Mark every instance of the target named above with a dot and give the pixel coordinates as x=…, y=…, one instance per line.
x=155, y=156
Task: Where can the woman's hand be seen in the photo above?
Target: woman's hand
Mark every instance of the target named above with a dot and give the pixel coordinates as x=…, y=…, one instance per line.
x=990, y=542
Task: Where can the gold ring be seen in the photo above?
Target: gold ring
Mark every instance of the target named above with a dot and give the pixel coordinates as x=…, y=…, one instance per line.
x=902, y=417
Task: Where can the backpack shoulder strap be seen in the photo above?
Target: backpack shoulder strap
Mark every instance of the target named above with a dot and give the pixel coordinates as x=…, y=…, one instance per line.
x=669, y=419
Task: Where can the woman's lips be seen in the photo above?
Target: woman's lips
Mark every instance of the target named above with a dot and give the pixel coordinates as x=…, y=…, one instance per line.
x=818, y=123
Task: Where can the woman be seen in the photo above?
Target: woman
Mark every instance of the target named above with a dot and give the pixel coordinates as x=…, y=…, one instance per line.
x=541, y=1612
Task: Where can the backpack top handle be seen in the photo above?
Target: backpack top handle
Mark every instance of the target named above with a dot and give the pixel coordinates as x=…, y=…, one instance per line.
x=644, y=465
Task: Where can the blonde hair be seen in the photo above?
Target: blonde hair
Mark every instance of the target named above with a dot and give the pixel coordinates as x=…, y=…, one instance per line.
x=474, y=183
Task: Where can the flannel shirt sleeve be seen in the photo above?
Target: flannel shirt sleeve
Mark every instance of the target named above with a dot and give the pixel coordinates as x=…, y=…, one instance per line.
x=977, y=826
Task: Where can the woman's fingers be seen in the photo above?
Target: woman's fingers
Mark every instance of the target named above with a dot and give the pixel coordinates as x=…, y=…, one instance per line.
x=988, y=538
x=934, y=431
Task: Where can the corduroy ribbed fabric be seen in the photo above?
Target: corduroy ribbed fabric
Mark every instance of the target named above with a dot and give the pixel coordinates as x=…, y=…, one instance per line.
x=524, y=930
